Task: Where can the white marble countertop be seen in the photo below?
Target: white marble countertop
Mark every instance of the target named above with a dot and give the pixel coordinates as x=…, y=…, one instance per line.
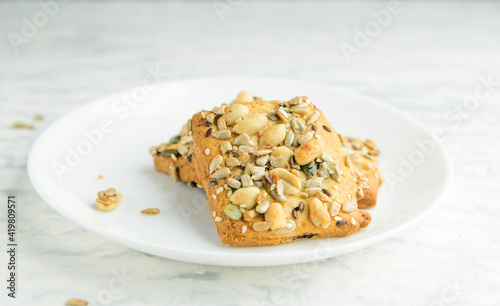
x=427, y=60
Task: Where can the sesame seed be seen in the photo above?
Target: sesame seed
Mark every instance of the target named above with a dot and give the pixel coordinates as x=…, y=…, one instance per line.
x=327, y=192
x=244, y=229
x=213, y=183
x=337, y=218
x=209, y=132
x=218, y=219
x=294, y=213
x=221, y=189
x=213, y=196
x=329, y=130
x=207, y=151
x=353, y=221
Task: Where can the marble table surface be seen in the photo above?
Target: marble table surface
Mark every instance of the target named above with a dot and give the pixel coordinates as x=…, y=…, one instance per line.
x=425, y=58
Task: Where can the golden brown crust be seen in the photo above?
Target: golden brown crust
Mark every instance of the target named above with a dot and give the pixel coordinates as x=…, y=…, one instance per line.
x=364, y=155
x=240, y=232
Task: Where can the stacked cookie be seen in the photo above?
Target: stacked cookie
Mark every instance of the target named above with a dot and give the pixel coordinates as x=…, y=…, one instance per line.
x=274, y=171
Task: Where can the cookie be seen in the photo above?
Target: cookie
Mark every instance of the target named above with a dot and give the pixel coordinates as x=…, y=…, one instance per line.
x=274, y=172
x=364, y=156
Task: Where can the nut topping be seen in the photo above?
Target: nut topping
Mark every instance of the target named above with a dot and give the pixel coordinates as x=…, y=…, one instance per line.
x=319, y=214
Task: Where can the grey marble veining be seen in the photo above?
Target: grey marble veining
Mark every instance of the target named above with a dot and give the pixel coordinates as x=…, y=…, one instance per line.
x=425, y=62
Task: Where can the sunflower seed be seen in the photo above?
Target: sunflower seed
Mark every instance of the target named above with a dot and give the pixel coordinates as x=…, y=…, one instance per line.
x=260, y=226
x=262, y=207
x=272, y=116
x=215, y=163
x=247, y=149
x=295, y=100
x=218, y=110
x=246, y=181
x=233, y=183
x=76, y=302
x=349, y=205
x=221, y=124
x=282, y=114
x=151, y=211
x=221, y=135
x=306, y=137
x=334, y=210
x=289, y=227
x=242, y=139
x=314, y=182
x=312, y=191
x=289, y=139
x=232, y=162
x=298, y=125
x=225, y=147
x=313, y=118
x=221, y=173
x=262, y=160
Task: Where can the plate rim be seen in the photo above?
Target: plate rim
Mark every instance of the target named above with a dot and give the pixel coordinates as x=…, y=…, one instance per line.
x=274, y=258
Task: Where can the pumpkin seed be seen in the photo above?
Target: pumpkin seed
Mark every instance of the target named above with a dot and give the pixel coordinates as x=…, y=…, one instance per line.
x=309, y=170
x=175, y=139
x=232, y=212
x=169, y=152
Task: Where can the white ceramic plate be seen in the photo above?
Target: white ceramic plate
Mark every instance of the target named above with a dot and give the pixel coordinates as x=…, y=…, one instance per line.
x=68, y=181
